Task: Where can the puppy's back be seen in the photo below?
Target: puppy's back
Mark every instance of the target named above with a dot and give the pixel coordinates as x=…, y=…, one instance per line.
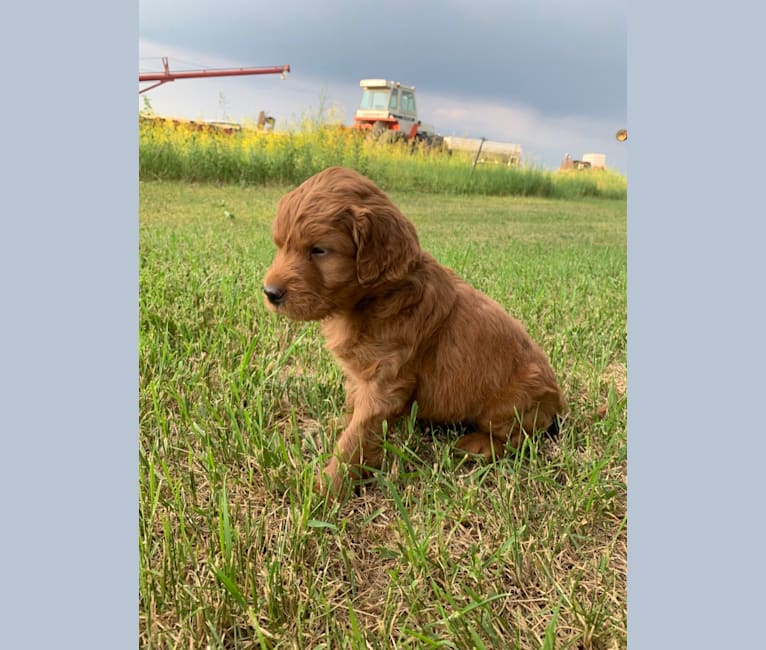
x=481, y=361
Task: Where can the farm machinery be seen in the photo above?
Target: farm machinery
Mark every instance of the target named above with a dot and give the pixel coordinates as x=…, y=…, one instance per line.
x=265, y=122
x=167, y=75
x=388, y=110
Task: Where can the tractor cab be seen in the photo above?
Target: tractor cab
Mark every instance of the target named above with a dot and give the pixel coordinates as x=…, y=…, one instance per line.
x=386, y=105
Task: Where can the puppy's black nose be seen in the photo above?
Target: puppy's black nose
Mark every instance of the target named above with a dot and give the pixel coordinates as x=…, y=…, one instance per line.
x=275, y=295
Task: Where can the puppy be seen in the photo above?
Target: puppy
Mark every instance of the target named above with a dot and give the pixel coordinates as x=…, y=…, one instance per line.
x=403, y=327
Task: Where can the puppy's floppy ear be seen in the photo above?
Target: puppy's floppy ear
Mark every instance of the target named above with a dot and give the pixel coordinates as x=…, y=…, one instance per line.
x=386, y=243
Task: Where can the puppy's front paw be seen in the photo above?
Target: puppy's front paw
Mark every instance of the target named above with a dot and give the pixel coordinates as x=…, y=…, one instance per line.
x=331, y=481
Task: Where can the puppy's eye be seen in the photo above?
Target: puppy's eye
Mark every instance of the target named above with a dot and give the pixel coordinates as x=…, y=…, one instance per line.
x=318, y=251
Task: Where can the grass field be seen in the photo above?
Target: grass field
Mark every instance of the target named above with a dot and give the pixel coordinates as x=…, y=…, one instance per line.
x=170, y=151
x=237, y=410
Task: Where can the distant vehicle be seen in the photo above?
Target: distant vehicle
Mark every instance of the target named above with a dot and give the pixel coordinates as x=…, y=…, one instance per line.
x=589, y=161
x=389, y=107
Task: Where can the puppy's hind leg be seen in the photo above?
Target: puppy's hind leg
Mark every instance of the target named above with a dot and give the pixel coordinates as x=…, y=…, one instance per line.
x=494, y=436
x=482, y=444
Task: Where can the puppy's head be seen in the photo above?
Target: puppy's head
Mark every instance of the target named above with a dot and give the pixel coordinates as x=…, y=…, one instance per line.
x=338, y=237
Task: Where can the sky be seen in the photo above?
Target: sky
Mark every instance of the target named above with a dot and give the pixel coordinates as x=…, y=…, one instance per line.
x=549, y=75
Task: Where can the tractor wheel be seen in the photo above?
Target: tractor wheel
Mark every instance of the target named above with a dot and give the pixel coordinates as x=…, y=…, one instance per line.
x=430, y=142
x=435, y=142
x=379, y=128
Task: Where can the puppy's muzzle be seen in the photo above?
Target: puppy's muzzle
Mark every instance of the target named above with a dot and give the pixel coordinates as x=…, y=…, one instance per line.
x=274, y=294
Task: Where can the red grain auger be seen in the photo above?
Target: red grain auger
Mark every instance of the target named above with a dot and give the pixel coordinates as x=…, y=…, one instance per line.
x=166, y=75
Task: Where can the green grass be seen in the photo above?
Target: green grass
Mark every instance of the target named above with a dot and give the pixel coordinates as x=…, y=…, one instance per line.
x=238, y=409
x=168, y=152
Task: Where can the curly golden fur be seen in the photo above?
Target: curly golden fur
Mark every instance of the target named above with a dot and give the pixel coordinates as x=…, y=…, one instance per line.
x=403, y=327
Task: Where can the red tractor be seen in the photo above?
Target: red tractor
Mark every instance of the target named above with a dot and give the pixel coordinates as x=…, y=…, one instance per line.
x=388, y=107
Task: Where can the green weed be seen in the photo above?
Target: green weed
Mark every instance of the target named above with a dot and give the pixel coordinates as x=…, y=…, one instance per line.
x=189, y=152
